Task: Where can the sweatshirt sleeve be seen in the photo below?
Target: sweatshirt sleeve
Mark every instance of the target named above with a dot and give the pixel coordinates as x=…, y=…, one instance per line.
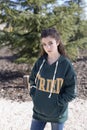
x=33, y=75
x=69, y=90
x=32, y=79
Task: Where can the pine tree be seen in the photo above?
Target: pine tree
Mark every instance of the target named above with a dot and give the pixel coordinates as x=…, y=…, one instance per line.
x=26, y=18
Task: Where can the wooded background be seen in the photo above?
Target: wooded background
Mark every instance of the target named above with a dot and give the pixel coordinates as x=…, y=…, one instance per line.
x=23, y=20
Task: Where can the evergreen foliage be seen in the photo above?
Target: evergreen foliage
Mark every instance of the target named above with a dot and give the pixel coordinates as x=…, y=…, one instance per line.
x=26, y=18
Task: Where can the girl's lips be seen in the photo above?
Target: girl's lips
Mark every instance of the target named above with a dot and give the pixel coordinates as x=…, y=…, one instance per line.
x=49, y=51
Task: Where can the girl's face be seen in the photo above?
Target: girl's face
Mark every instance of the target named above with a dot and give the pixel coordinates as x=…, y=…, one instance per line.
x=49, y=45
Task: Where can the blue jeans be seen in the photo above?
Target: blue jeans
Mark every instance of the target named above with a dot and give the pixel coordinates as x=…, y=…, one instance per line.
x=40, y=125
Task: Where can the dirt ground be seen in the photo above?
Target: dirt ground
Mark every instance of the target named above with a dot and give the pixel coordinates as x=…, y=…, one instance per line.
x=11, y=77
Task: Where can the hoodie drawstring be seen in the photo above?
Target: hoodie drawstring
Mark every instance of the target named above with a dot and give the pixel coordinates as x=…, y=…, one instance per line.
x=39, y=70
x=53, y=80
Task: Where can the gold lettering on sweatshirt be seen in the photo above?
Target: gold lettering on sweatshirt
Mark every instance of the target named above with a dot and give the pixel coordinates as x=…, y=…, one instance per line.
x=59, y=84
x=42, y=83
x=47, y=85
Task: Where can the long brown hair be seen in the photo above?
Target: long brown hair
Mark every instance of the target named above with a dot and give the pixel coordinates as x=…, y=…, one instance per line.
x=52, y=32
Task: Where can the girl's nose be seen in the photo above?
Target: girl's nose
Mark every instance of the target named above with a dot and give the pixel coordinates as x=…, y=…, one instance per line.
x=48, y=46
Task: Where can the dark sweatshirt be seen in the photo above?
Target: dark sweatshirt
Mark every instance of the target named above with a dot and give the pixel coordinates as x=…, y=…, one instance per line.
x=51, y=88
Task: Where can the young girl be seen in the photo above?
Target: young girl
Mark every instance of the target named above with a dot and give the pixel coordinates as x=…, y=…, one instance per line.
x=52, y=83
